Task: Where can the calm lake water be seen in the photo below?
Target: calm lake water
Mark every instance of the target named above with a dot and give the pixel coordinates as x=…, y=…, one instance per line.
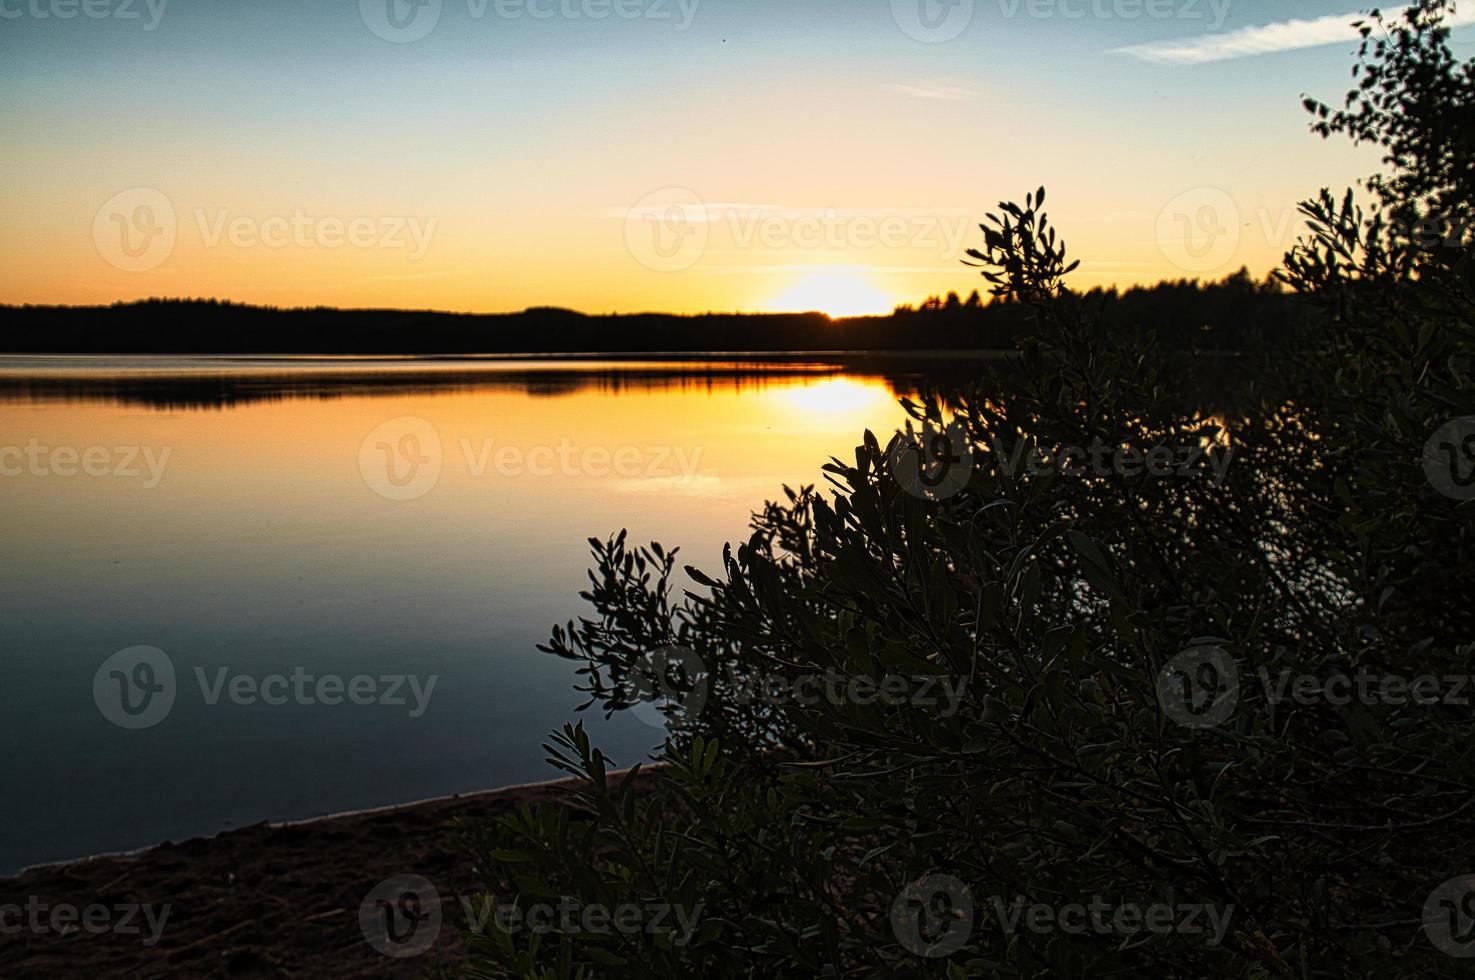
x=276, y=529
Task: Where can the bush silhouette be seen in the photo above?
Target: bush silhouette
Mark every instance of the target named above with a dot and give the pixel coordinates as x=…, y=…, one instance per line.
x=1162, y=696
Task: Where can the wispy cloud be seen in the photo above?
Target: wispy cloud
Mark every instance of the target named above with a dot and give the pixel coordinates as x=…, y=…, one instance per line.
x=407, y=276
x=766, y=269
x=1290, y=35
x=696, y=212
x=936, y=92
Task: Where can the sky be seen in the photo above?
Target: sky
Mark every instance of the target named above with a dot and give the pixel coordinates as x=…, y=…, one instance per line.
x=639, y=155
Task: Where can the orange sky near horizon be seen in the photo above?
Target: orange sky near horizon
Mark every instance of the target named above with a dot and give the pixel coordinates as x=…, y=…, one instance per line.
x=321, y=166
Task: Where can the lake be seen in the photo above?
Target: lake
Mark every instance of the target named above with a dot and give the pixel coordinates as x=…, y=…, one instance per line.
x=271, y=589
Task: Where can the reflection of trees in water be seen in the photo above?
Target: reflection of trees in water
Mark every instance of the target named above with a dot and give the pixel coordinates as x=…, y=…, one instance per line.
x=226, y=389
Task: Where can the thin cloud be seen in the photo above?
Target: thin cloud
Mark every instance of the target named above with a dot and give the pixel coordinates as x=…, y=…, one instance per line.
x=406, y=277
x=700, y=213
x=936, y=92
x=690, y=213
x=1290, y=35
x=765, y=269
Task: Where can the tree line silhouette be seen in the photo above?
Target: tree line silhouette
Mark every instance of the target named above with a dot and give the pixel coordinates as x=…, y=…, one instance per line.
x=1229, y=315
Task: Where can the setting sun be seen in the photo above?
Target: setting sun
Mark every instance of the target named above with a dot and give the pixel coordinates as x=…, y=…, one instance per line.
x=838, y=294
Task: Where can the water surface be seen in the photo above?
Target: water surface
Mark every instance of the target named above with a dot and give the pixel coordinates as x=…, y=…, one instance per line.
x=349, y=518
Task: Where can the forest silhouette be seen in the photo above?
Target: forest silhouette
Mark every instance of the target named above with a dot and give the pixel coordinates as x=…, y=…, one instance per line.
x=1232, y=314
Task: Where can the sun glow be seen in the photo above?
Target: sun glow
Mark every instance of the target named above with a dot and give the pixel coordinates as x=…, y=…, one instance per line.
x=838, y=294
x=839, y=396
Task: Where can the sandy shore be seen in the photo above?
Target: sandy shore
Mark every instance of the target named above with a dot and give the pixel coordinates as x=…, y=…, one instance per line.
x=267, y=901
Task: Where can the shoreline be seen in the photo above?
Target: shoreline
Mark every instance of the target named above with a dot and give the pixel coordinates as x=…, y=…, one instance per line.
x=427, y=802
x=269, y=900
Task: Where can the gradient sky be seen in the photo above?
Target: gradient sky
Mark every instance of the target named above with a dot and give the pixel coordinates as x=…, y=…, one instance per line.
x=773, y=154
